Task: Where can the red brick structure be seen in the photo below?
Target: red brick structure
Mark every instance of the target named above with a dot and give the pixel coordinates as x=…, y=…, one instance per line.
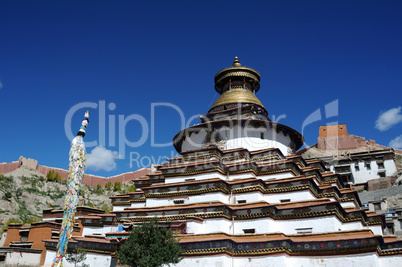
x=336, y=137
x=333, y=130
x=31, y=236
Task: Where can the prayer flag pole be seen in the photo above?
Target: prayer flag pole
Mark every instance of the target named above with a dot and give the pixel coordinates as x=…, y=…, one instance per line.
x=76, y=169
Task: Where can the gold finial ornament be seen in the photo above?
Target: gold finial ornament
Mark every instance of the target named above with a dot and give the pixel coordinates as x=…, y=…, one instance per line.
x=236, y=62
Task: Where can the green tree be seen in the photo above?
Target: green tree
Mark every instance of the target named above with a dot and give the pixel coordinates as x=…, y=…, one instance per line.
x=76, y=256
x=150, y=246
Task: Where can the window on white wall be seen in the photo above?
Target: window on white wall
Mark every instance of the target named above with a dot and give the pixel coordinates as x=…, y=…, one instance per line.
x=178, y=201
x=304, y=230
x=357, y=168
x=368, y=165
x=377, y=206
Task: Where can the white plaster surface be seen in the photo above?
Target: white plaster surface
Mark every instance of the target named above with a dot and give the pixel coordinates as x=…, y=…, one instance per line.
x=232, y=199
x=364, y=174
x=22, y=259
x=92, y=260
x=283, y=260
x=197, y=177
x=91, y=230
x=238, y=137
x=267, y=225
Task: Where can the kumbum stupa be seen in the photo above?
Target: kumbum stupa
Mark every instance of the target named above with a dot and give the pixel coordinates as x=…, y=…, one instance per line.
x=239, y=196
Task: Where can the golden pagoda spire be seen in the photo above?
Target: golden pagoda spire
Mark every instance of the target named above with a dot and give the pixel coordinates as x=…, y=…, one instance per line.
x=237, y=84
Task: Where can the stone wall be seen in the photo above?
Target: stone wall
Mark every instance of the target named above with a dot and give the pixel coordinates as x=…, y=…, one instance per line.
x=381, y=183
x=343, y=142
x=28, y=163
x=9, y=167
x=94, y=180
x=89, y=179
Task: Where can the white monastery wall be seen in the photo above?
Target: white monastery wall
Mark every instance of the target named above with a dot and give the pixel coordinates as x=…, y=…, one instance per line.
x=349, y=204
x=283, y=260
x=275, y=198
x=256, y=143
x=239, y=137
x=137, y=205
x=217, y=196
x=281, y=175
x=355, y=260
x=197, y=177
x=91, y=230
x=390, y=167
x=228, y=199
x=206, y=261
x=21, y=259
x=268, y=225
x=92, y=260
x=118, y=208
x=238, y=176
x=364, y=174
x=376, y=229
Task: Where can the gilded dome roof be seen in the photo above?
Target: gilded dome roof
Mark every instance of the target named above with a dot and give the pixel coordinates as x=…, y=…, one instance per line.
x=237, y=72
x=237, y=84
x=237, y=95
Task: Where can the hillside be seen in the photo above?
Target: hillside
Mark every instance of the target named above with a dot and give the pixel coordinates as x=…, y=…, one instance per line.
x=24, y=193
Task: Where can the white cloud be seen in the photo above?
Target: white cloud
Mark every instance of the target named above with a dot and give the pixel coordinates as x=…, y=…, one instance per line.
x=1, y=85
x=101, y=158
x=396, y=142
x=388, y=119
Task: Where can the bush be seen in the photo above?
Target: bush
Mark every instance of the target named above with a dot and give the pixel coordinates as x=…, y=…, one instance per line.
x=81, y=193
x=108, y=185
x=131, y=188
x=117, y=186
x=33, y=219
x=9, y=179
x=18, y=193
x=105, y=207
x=52, y=176
x=10, y=221
x=99, y=189
x=7, y=196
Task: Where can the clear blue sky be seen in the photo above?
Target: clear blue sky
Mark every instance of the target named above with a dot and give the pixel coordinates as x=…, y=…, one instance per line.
x=57, y=54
